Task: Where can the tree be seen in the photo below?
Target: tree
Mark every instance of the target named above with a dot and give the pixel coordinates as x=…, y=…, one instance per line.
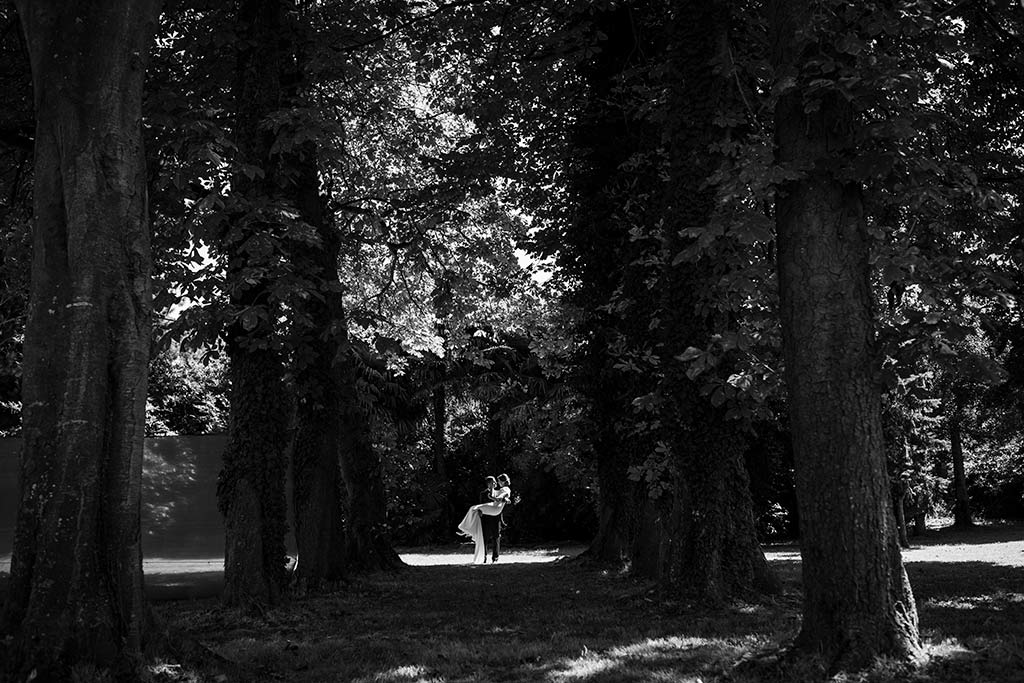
x=251, y=488
x=187, y=395
x=713, y=551
x=858, y=603
x=76, y=572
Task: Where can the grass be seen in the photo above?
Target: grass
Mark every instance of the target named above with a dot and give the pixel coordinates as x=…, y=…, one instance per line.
x=531, y=618
x=565, y=621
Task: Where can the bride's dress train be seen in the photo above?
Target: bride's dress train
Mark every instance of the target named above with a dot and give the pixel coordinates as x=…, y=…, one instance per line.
x=471, y=526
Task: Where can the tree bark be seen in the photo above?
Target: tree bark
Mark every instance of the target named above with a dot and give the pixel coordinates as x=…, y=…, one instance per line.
x=76, y=572
x=317, y=488
x=250, y=491
x=857, y=600
x=713, y=552
x=962, y=505
x=368, y=540
x=316, y=476
x=598, y=252
x=899, y=501
x=620, y=500
x=439, y=446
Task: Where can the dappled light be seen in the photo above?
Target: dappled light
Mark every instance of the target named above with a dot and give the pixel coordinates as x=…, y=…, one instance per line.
x=703, y=322
x=562, y=621
x=649, y=659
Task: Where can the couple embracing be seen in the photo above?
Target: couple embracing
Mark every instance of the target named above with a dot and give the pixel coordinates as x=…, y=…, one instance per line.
x=482, y=522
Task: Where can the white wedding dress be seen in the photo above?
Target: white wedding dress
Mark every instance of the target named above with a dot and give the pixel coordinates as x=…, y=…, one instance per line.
x=471, y=526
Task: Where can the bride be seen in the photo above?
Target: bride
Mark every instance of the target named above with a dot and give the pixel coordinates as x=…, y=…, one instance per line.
x=500, y=494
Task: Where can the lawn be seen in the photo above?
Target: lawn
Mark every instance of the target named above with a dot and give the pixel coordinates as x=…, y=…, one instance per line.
x=536, y=617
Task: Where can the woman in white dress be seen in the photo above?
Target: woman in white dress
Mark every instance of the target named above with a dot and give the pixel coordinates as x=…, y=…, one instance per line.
x=500, y=494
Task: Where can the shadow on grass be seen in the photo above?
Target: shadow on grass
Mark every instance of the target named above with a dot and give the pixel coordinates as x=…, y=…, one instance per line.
x=969, y=601
x=570, y=622
x=972, y=618
x=993, y=532
x=554, y=622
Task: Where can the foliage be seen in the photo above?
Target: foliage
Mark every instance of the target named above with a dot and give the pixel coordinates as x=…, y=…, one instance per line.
x=187, y=394
x=15, y=214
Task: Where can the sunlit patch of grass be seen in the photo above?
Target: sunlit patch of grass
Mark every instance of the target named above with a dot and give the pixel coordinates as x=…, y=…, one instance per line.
x=644, y=659
x=164, y=672
x=405, y=674
x=585, y=666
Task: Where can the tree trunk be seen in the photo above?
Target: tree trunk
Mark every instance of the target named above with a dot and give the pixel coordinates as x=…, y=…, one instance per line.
x=713, y=549
x=713, y=553
x=250, y=492
x=620, y=500
x=316, y=476
x=962, y=505
x=899, y=501
x=317, y=488
x=598, y=252
x=368, y=546
x=441, y=497
x=440, y=416
x=75, y=590
x=857, y=600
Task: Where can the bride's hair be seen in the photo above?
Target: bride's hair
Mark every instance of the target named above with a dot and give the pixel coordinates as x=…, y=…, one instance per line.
x=504, y=480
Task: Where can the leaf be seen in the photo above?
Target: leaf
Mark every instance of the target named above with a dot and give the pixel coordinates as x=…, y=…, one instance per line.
x=689, y=354
x=249, y=320
x=892, y=273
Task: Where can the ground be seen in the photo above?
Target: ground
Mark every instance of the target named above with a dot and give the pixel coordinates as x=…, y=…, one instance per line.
x=540, y=615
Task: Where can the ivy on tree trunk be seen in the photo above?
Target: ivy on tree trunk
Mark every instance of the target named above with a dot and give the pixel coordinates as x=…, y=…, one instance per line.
x=250, y=491
x=317, y=488
x=76, y=572
x=368, y=540
x=712, y=548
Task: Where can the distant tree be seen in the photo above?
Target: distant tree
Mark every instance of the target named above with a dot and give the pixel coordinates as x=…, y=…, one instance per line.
x=187, y=394
x=76, y=572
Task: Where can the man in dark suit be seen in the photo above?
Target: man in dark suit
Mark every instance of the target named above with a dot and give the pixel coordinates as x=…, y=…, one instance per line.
x=491, y=525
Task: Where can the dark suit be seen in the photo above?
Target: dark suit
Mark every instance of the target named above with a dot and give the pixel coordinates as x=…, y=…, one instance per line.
x=491, y=526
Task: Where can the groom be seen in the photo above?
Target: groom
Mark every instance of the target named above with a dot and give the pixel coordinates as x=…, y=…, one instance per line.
x=491, y=526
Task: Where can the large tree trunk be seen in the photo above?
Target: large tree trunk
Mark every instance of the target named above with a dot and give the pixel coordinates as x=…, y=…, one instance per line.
x=76, y=572
x=962, y=505
x=316, y=476
x=317, y=488
x=598, y=252
x=713, y=548
x=251, y=491
x=857, y=599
